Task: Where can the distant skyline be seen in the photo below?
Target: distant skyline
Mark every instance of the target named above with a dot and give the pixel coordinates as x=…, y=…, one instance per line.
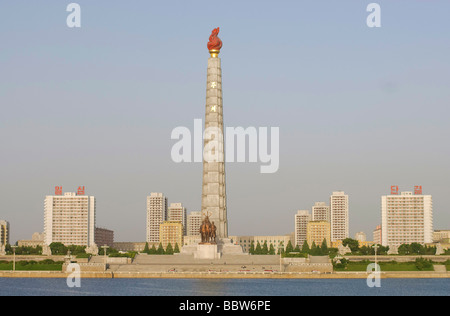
x=359, y=109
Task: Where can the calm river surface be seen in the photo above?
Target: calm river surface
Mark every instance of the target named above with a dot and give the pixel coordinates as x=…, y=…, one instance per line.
x=233, y=287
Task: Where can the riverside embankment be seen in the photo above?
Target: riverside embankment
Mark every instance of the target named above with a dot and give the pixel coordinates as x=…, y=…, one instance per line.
x=222, y=275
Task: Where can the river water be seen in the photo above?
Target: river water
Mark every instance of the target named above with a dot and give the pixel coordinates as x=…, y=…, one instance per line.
x=223, y=287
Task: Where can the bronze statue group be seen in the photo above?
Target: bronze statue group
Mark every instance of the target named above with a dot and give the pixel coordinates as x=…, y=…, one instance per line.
x=208, y=231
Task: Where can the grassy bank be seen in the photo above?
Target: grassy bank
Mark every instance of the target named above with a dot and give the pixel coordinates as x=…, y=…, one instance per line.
x=387, y=266
x=46, y=265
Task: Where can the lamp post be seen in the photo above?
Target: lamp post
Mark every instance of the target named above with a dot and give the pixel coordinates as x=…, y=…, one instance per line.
x=14, y=258
x=280, y=249
x=376, y=259
x=105, y=247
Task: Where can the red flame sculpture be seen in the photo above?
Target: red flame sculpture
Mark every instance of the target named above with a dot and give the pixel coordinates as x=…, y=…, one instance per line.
x=215, y=44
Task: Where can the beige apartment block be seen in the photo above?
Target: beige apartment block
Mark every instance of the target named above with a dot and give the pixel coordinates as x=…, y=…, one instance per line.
x=171, y=232
x=339, y=216
x=406, y=218
x=156, y=215
x=177, y=213
x=317, y=232
x=302, y=218
x=69, y=219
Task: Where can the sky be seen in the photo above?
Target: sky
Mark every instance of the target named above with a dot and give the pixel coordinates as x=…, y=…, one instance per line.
x=359, y=109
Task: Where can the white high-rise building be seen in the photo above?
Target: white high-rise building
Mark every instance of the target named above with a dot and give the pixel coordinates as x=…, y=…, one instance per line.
x=302, y=218
x=156, y=215
x=4, y=233
x=361, y=236
x=377, y=236
x=177, y=213
x=339, y=216
x=69, y=219
x=406, y=219
x=194, y=221
x=321, y=212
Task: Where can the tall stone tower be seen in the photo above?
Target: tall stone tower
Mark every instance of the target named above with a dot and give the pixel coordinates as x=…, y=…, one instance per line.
x=214, y=198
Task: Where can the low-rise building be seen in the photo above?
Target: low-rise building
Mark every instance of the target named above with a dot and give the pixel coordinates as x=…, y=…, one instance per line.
x=336, y=244
x=37, y=240
x=276, y=241
x=131, y=246
x=442, y=236
x=366, y=244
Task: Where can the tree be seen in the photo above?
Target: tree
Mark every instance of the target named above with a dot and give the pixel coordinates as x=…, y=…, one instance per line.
x=58, y=248
x=289, y=247
x=364, y=250
x=271, y=250
x=324, y=247
x=265, y=249
x=252, y=248
x=383, y=251
x=417, y=249
x=160, y=250
x=315, y=251
x=153, y=250
x=176, y=249
x=146, y=248
x=169, y=249
x=404, y=250
x=423, y=264
x=258, y=249
x=352, y=243
x=305, y=248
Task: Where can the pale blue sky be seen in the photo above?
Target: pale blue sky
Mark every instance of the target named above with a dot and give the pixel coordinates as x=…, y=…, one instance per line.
x=359, y=109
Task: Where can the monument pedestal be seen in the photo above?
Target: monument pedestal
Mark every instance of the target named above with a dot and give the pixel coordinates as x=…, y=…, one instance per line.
x=224, y=246
x=227, y=247
x=207, y=251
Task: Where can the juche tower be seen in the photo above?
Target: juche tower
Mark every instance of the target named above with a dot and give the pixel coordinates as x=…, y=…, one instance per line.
x=214, y=198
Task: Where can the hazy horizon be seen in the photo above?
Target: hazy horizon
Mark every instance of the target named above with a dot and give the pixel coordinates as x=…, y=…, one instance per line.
x=359, y=109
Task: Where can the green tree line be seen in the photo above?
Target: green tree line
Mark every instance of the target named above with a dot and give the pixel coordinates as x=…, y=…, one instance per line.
x=170, y=250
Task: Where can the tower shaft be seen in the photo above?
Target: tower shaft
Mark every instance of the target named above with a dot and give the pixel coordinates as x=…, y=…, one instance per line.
x=214, y=198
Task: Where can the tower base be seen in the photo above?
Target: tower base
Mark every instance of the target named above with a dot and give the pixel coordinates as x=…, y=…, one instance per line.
x=224, y=246
x=207, y=251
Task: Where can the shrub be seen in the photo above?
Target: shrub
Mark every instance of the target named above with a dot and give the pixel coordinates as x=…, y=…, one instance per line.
x=423, y=264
